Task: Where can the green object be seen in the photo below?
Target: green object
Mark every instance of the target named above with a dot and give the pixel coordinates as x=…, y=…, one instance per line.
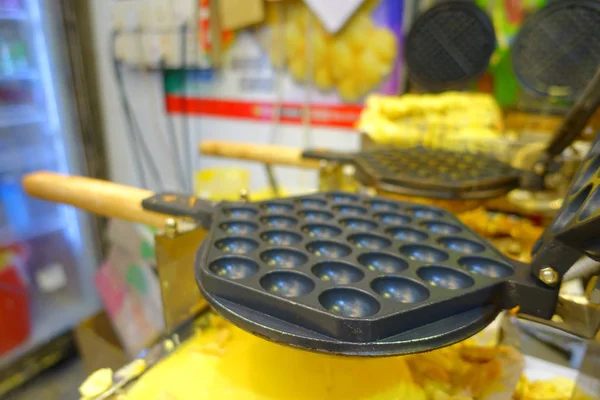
x=18, y=52
x=136, y=279
x=174, y=81
x=147, y=251
x=534, y=4
x=506, y=86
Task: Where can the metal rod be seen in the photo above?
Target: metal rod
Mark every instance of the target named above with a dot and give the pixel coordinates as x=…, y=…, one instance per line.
x=272, y=180
x=577, y=117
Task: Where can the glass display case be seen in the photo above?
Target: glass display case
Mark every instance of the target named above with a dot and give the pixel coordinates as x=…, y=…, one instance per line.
x=47, y=251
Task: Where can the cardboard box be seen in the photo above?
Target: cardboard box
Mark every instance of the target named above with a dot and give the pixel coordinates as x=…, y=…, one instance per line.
x=129, y=287
x=238, y=14
x=98, y=344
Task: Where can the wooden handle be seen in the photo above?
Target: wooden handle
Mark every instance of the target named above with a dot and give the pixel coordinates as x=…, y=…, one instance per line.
x=265, y=153
x=94, y=195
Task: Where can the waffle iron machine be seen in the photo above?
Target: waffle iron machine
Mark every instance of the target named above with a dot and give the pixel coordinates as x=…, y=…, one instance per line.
x=348, y=274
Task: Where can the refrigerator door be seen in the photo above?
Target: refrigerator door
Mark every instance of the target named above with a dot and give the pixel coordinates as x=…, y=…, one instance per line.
x=47, y=252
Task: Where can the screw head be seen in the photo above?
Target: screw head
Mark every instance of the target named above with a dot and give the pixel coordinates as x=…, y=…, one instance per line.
x=548, y=275
x=245, y=195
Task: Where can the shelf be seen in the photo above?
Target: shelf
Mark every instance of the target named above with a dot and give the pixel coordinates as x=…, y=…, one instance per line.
x=20, y=115
x=52, y=315
x=43, y=226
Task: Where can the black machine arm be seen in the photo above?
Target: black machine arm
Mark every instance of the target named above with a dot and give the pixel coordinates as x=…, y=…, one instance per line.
x=572, y=125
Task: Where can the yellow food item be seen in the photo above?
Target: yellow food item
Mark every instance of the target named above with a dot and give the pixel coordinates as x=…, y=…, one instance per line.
x=294, y=41
x=553, y=389
x=97, y=383
x=134, y=368
x=349, y=89
x=318, y=49
x=498, y=227
x=384, y=43
x=368, y=68
x=341, y=59
x=224, y=362
x=470, y=122
x=244, y=367
x=298, y=70
x=277, y=56
x=353, y=61
x=323, y=79
x=298, y=14
x=357, y=33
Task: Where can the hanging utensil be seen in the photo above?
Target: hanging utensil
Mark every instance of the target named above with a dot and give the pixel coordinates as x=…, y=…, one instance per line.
x=449, y=46
x=556, y=50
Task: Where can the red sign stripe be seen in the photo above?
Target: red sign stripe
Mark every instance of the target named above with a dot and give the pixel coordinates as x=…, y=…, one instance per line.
x=341, y=116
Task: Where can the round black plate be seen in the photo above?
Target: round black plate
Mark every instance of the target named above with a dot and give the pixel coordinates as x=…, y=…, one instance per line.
x=449, y=46
x=559, y=46
x=429, y=337
x=436, y=173
x=441, y=333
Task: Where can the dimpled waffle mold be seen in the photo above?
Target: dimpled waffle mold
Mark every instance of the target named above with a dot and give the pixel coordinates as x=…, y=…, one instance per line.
x=425, y=171
x=449, y=46
x=576, y=223
x=558, y=47
x=346, y=266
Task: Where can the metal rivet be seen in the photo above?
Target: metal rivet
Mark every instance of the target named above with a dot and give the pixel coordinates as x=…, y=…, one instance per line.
x=548, y=275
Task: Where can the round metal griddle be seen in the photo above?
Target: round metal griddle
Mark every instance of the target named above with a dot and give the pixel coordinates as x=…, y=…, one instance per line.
x=433, y=173
x=558, y=47
x=438, y=173
x=449, y=46
x=580, y=210
x=441, y=333
x=357, y=275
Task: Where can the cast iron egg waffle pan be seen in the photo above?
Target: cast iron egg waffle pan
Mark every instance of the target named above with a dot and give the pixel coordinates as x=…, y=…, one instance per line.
x=559, y=47
x=449, y=46
x=434, y=173
x=351, y=274
x=575, y=228
x=439, y=170
x=445, y=174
